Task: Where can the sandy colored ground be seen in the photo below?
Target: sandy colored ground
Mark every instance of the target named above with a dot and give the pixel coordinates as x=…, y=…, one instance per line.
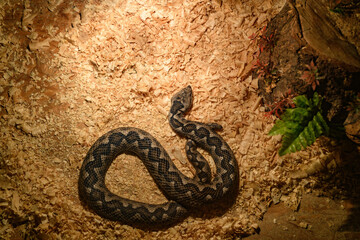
x=72, y=71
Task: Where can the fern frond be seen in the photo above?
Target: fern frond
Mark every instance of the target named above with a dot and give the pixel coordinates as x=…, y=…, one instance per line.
x=301, y=101
x=303, y=137
x=300, y=126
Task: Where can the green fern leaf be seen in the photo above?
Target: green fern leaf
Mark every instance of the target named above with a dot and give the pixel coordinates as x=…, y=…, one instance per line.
x=300, y=126
x=322, y=122
x=301, y=101
x=280, y=127
x=307, y=136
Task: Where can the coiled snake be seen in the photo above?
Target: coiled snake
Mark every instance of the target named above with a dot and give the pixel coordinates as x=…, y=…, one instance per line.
x=184, y=192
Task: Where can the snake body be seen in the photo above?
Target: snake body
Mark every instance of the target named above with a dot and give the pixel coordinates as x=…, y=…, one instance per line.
x=184, y=193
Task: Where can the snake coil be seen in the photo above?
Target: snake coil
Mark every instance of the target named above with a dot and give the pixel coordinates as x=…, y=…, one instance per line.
x=183, y=192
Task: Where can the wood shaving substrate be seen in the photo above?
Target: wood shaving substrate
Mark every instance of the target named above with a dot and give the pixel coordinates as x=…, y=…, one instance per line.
x=72, y=71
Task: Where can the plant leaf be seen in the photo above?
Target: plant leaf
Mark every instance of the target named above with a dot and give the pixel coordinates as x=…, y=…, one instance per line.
x=301, y=137
x=300, y=126
x=301, y=101
x=282, y=127
x=278, y=128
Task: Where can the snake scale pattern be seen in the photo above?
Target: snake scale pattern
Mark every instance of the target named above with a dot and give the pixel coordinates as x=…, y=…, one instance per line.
x=184, y=193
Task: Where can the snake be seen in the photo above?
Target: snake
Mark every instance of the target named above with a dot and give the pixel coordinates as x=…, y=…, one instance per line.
x=183, y=193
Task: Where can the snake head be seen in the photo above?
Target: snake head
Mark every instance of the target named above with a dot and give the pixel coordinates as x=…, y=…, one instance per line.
x=182, y=101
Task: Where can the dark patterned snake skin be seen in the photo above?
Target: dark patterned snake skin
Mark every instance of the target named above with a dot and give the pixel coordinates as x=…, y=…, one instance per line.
x=184, y=193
